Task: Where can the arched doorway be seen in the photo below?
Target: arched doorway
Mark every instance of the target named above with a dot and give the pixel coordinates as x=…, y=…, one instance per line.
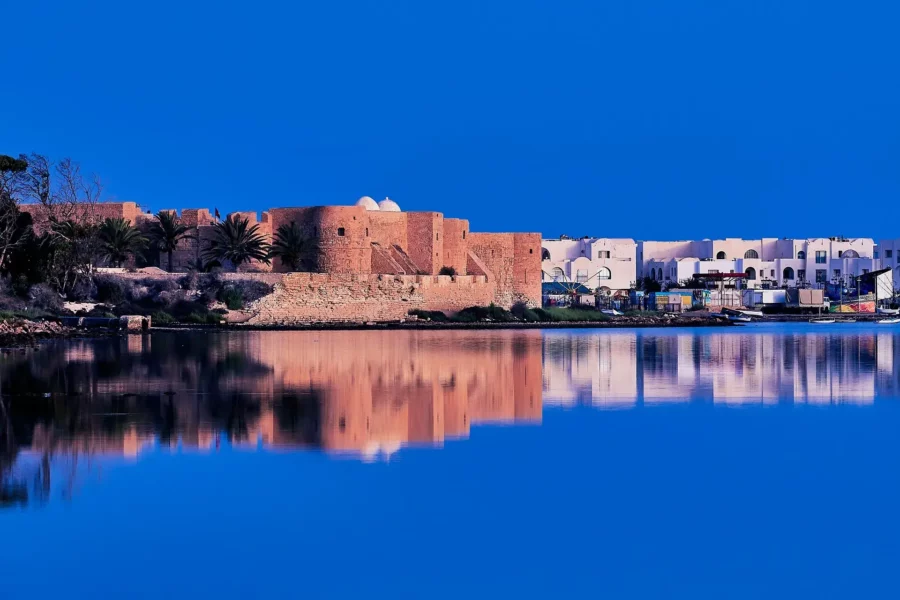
x=750, y=273
x=720, y=255
x=787, y=274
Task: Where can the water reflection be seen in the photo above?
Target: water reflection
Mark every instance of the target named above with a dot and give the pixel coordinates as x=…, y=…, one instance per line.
x=774, y=364
x=367, y=394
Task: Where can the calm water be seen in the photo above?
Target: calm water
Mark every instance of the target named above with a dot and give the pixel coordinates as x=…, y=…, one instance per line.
x=743, y=463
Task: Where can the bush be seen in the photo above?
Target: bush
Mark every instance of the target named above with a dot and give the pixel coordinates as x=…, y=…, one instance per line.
x=200, y=318
x=43, y=297
x=573, y=315
x=84, y=290
x=233, y=298
x=111, y=290
x=161, y=317
x=451, y=271
x=484, y=313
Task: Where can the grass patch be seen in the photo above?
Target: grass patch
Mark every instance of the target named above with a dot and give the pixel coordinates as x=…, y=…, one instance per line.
x=27, y=314
x=557, y=314
x=161, y=317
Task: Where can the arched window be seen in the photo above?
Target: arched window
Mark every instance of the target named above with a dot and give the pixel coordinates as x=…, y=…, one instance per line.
x=801, y=255
x=557, y=274
x=751, y=273
x=720, y=255
x=788, y=274
x=545, y=254
x=751, y=254
x=850, y=254
x=604, y=273
x=652, y=273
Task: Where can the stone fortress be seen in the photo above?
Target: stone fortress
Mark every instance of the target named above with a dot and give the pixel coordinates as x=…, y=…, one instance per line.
x=368, y=262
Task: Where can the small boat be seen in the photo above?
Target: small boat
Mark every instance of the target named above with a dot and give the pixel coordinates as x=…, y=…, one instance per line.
x=888, y=311
x=822, y=321
x=739, y=318
x=742, y=312
x=846, y=321
x=892, y=321
x=611, y=312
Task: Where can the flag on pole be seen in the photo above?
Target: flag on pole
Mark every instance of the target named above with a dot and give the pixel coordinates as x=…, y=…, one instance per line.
x=218, y=216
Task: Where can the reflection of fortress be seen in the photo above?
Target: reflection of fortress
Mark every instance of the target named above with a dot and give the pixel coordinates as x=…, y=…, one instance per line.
x=346, y=391
x=626, y=368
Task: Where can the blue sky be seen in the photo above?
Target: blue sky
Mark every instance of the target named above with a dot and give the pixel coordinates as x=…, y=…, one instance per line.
x=654, y=120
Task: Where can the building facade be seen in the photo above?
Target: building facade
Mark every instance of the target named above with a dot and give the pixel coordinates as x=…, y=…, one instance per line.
x=608, y=264
x=766, y=262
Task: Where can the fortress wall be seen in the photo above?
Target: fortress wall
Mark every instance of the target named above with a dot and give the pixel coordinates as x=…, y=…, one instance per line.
x=317, y=297
x=514, y=260
x=388, y=228
x=456, y=244
x=340, y=235
x=426, y=241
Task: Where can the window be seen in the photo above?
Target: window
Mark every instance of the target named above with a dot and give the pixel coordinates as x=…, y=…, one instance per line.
x=531, y=251
x=751, y=254
x=464, y=234
x=801, y=255
x=849, y=254
x=837, y=273
x=581, y=276
x=720, y=255
x=557, y=274
x=713, y=271
x=801, y=274
x=840, y=253
x=603, y=254
x=821, y=276
x=876, y=254
x=821, y=257
x=341, y=231
x=604, y=273
x=367, y=232
x=437, y=237
x=888, y=253
x=545, y=254
x=751, y=273
x=787, y=274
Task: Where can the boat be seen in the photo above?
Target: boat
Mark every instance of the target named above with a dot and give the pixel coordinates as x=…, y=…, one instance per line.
x=739, y=318
x=846, y=321
x=892, y=321
x=611, y=312
x=888, y=311
x=742, y=312
x=822, y=321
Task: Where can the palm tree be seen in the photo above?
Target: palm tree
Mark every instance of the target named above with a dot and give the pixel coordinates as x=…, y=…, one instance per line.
x=166, y=232
x=119, y=240
x=235, y=241
x=292, y=246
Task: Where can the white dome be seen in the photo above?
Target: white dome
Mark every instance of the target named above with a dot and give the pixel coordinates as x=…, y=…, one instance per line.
x=368, y=202
x=388, y=205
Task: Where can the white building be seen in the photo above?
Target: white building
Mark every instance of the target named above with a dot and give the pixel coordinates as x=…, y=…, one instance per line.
x=887, y=252
x=598, y=263
x=767, y=262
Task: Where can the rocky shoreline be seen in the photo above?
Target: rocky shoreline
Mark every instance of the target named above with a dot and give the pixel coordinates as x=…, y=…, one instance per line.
x=16, y=333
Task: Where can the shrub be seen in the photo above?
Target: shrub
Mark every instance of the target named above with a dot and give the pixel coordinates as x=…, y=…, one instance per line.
x=161, y=317
x=233, y=298
x=111, y=290
x=83, y=290
x=451, y=271
x=44, y=297
x=484, y=313
x=202, y=318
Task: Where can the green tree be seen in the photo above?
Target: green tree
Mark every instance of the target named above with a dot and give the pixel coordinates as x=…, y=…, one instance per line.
x=292, y=246
x=166, y=232
x=235, y=241
x=119, y=240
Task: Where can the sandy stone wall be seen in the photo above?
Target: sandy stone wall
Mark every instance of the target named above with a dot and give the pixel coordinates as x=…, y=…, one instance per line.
x=94, y=212
x=317, y=297
x=513, y=261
